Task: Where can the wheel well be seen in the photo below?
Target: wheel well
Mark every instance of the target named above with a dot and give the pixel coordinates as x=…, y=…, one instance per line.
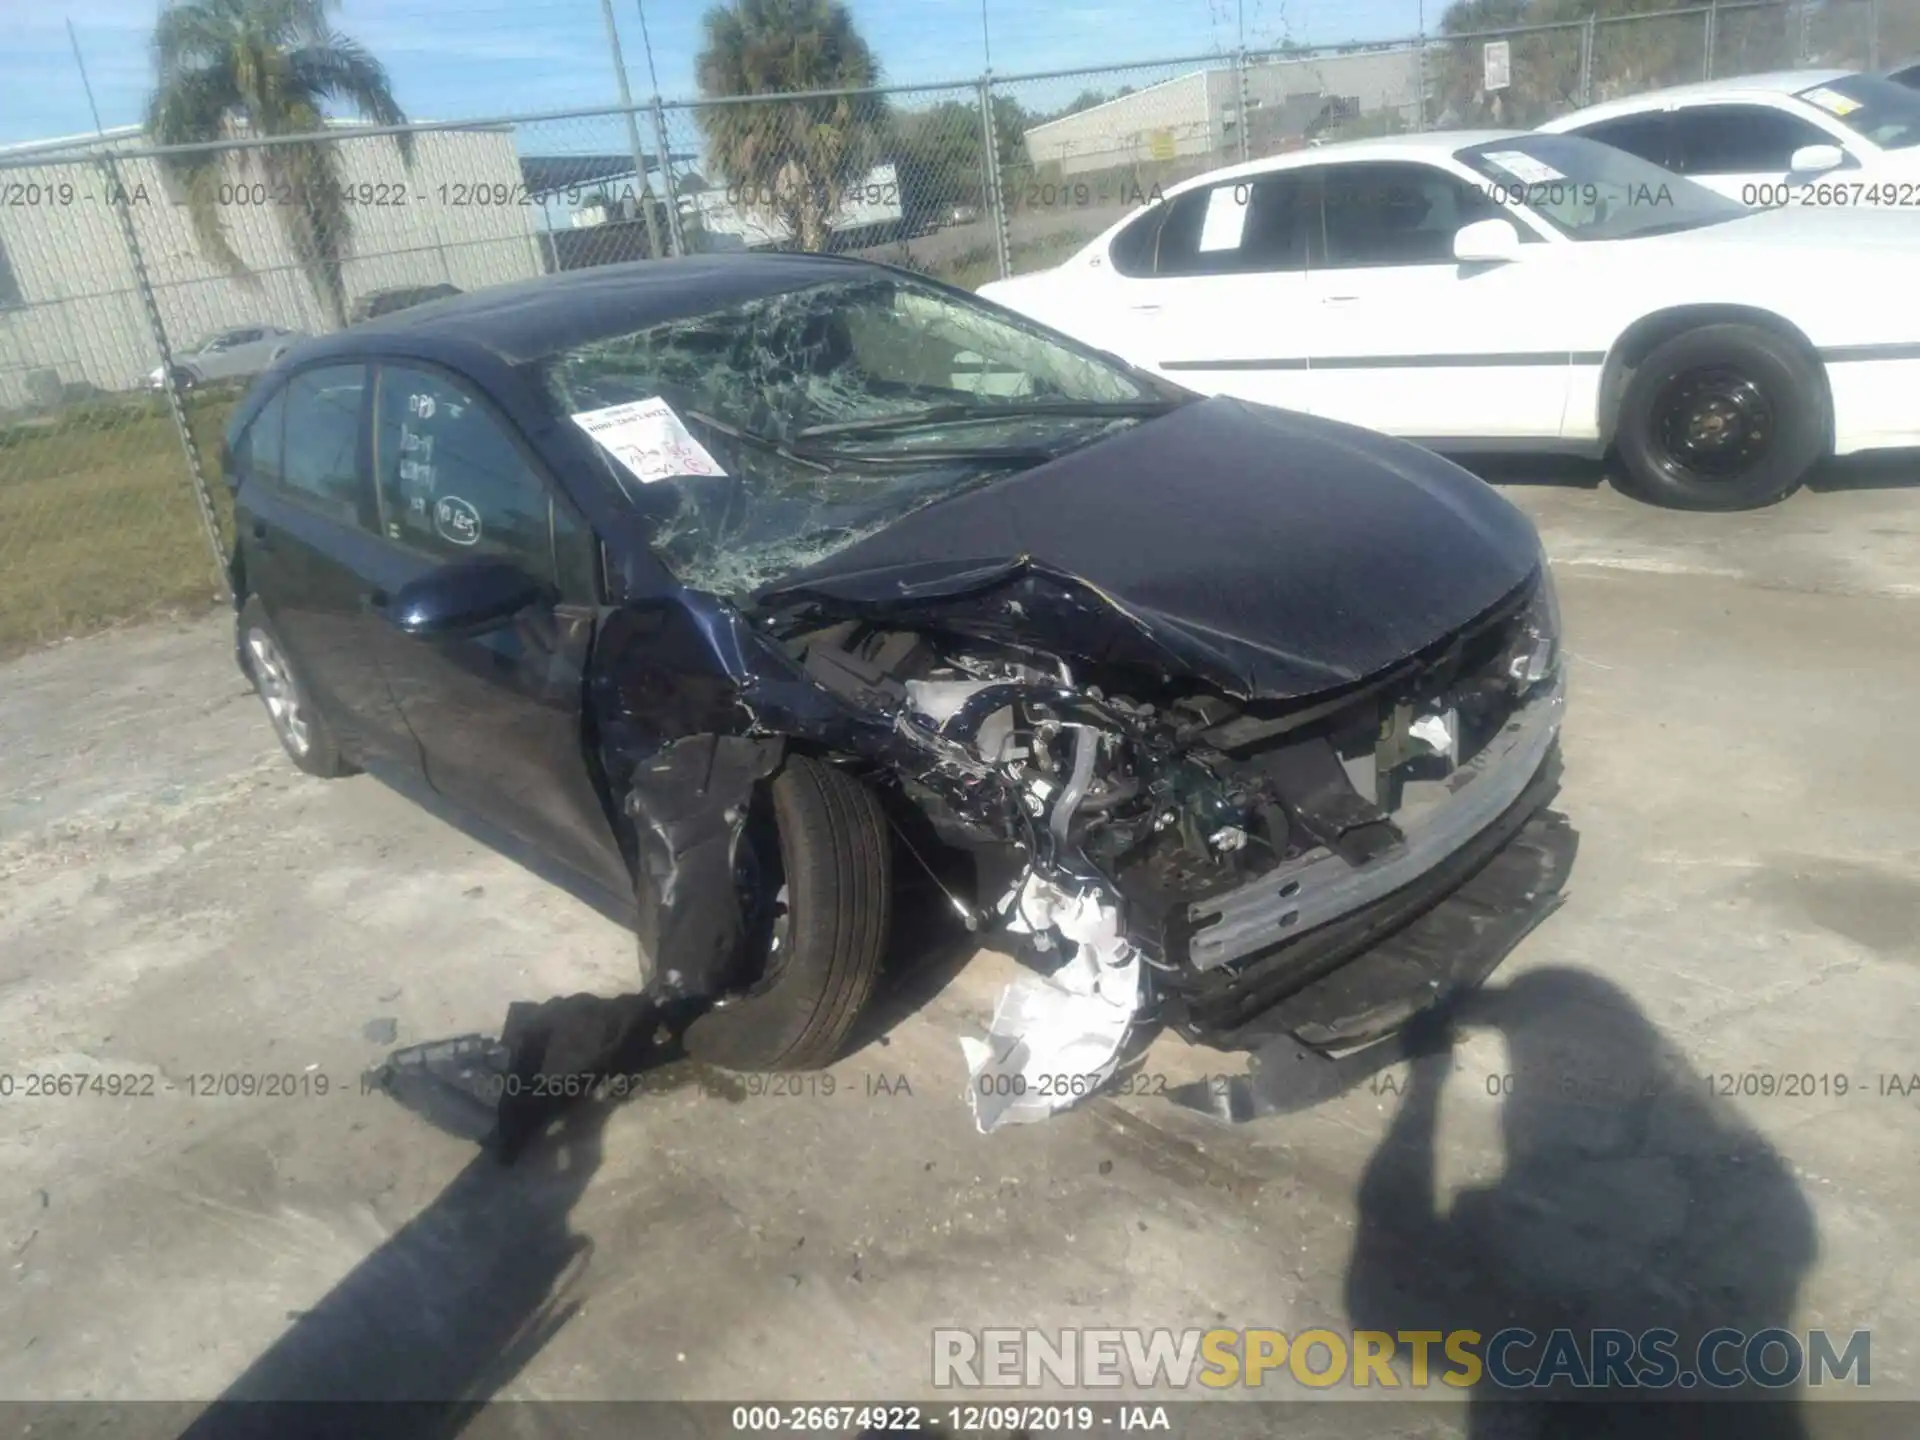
x=1640, y=338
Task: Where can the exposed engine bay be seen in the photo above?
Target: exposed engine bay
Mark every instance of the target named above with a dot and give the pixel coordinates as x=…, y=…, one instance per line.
x=1124, y=827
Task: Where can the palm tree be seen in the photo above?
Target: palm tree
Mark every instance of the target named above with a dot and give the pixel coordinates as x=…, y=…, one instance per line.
x=266, y=67
x=790, y=159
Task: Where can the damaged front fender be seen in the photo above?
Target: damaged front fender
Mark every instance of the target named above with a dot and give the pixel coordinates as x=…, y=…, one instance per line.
x=688, y=806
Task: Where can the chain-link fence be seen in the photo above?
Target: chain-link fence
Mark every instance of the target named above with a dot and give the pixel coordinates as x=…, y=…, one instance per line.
x=141, y=289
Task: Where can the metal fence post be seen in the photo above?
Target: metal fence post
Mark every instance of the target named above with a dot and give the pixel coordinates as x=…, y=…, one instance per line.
x=633, y=131
x=1587, y=33
x=1712, y=27
x=150, y=303
x=1241, y=118
x=1805, y=53
x=674, y=233
x=996, y=195
x=1420, y=81
x=1873, y=34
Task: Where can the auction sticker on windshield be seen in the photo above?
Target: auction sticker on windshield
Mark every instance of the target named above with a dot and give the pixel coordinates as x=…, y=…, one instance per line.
x=1832, y=101
x=649, y=439
x=1524, y=167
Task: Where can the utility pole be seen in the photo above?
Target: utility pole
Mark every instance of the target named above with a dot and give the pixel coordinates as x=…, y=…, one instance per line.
x=85, y=84
x=669, y=188
x=1420, y=70
x=633, y=131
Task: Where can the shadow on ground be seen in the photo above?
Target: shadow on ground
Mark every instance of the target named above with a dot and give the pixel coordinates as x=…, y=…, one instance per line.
x=1890, y=470
x=1632, y=1199
x=456, y=1303
x=415, y=1340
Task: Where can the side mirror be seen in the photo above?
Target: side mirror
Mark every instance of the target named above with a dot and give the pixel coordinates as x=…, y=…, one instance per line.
x=468, y=596
x=1486, y=242
x=1817, y=159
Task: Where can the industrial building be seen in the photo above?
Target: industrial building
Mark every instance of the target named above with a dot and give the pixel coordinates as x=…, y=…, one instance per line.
x=71, y=318
x=1197, y=116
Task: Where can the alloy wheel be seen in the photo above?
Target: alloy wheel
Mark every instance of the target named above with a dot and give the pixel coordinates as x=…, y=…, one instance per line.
x=274, y=678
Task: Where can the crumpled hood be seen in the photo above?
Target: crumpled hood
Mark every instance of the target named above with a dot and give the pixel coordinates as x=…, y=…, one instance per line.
x=1271, y=554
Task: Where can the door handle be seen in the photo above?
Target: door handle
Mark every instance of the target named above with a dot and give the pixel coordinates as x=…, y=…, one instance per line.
x=1144, y=309
x=1338, y=299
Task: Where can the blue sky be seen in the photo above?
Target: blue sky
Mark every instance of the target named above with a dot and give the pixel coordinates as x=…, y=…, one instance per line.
x=453, y=59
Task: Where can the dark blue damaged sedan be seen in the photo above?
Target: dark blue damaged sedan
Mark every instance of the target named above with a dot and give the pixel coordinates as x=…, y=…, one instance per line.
x=722, y=589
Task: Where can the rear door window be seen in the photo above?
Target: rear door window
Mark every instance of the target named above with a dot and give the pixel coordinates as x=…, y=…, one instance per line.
x=1258, y=225
x=1131, y=251
x=256, y=454
x=320, y=449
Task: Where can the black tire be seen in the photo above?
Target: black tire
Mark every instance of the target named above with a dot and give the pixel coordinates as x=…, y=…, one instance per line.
x=184, y=379
x=836, y=861
x=302, y=730
x=1725, y=417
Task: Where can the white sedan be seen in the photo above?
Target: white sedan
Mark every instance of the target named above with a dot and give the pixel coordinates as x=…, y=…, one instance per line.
x=1799, y=137
x=1480, y=291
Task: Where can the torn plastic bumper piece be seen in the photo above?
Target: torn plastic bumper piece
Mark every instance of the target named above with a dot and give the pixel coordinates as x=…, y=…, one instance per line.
x=688, y=804
x=1371, y=1009
x=1055, y=1038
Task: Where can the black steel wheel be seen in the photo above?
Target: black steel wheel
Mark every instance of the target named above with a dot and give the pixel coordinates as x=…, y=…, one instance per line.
x=1725, y=417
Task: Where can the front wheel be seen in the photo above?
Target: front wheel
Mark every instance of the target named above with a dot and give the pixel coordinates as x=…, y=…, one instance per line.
x=817, y=870
x=1725, y=417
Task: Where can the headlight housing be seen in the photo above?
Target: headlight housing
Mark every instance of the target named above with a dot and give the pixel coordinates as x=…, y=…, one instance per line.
x=1533, y=655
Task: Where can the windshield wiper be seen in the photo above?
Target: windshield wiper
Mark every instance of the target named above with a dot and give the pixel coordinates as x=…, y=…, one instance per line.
x=758, y=441
x=971, y=414
x=824, y=458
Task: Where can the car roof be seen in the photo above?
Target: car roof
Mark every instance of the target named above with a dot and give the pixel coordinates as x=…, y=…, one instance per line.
x=529, y=319
x=1425, y=145
x=1740, y=87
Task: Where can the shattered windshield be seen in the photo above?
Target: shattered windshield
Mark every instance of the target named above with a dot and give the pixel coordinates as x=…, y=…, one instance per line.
x=769, y=435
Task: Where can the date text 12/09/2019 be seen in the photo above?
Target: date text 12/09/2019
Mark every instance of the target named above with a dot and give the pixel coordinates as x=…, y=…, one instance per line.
x=197, y=1085
x=282, y=194
x=1014, y=1419
x=316, y=1084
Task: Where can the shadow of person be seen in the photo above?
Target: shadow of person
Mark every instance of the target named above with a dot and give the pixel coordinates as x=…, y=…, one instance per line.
x=1632, y=1199
x=450, y=1308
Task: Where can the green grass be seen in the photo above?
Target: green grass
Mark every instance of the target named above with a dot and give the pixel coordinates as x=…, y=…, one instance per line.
x=98, y=521
x=975, y=268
